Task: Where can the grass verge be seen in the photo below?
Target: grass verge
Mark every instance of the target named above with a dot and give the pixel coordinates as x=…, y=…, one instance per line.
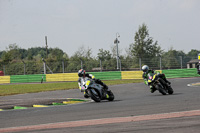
x=13, y=89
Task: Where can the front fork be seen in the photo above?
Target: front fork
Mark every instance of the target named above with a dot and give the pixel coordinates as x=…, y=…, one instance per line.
x=164, y=84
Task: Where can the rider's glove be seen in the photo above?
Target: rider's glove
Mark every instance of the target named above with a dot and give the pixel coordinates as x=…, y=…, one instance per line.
x=146, y=82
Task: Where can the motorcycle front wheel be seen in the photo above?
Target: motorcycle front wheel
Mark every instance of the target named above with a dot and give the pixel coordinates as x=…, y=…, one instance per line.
x=94, y=95
x=161, y=89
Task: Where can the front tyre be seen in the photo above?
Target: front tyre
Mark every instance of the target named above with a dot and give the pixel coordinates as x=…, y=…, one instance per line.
x=161, y=89
x=94, y=95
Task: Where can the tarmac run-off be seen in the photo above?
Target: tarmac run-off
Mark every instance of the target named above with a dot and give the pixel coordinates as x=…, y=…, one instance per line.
x=102, y=121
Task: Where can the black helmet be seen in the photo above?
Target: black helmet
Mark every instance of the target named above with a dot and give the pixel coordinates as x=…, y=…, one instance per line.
x=81, y=72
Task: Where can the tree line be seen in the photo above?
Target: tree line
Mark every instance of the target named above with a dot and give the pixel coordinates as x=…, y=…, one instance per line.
x=143, y=50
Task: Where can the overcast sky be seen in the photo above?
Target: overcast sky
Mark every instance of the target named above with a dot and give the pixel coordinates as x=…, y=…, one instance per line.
x=70, y=24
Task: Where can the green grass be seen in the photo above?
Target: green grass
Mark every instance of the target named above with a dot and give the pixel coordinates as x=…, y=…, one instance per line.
x=13, y=89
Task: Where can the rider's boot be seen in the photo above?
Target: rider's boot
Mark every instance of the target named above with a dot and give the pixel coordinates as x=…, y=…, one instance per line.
x=167, y=81
x=101, y=83
x=86, y=95
x=152, y=89
x=105, y=87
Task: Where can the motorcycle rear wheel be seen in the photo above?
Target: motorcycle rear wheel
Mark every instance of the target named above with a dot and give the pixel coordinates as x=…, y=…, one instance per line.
x=111, y=96
x=170, y=90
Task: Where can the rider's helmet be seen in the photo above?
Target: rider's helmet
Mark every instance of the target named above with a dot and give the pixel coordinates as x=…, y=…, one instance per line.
x=145, y=68
x=81, y=73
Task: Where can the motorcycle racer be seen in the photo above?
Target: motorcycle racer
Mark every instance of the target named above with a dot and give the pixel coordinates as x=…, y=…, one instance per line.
x=82, y=74
x=145, y=77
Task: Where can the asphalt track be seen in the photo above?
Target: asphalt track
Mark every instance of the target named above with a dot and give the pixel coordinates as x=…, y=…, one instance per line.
x=135, y=109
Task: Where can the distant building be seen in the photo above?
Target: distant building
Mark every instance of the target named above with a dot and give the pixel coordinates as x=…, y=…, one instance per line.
x=192, y=63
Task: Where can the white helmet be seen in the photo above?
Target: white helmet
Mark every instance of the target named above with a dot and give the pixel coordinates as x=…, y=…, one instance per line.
x=145, y=68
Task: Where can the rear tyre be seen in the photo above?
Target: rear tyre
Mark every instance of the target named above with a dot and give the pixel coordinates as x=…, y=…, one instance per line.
x=111, y=96
x=170, y=90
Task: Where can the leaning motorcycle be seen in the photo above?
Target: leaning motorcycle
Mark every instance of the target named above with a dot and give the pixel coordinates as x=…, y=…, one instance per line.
x=159, y=84
x=95, y=91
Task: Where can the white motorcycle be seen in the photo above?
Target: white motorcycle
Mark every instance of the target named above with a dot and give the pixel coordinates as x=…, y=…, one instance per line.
x=95, y=91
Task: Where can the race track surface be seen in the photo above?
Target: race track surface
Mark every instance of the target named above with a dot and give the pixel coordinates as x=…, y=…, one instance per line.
x=134, y=109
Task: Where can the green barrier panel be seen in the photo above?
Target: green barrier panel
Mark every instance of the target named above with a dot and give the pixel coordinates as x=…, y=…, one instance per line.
x=107, y=75
x=20, y=107
x=71, y=99
x=58, y=104
x=180, y=73
x=27, y=78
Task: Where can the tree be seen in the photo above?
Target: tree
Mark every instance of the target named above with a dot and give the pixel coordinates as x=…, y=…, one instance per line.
x=56, y=54
x=6, y=57
x=107, y=61
x=1, y=54
x=143, y=46
x=104, y=55
x=144, y=50
x=193, y=54
x=83, y=56
x=83, y=53
x=171, y=59
x=13, y=51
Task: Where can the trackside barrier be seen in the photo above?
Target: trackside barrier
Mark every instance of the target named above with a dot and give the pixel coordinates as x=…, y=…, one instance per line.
x=4, y=79
x=131, y=74
x=112, y=75
x=180, y=73
x=62, y=77
x=74, y=76
x=27, y=78
x=134, y=74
